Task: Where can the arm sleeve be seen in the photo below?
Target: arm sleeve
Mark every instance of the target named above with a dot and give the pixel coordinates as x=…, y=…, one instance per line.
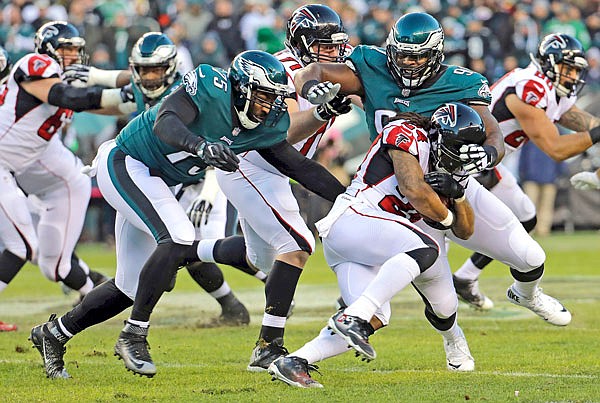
x=76, y=99
x=305, y=171
x=176, y=112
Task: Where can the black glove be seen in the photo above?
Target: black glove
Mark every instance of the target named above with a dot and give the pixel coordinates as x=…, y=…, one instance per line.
x=218, y=156
x=76, y=75
x=336, y=107
x=127, y=93
x=444, y=184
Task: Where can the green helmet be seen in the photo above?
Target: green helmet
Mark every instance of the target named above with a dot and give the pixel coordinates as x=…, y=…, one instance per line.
x=153, y=49
x=413, y=37
x=258, y=78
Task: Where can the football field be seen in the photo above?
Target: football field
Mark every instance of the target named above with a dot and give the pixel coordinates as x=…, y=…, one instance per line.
x=519, y=357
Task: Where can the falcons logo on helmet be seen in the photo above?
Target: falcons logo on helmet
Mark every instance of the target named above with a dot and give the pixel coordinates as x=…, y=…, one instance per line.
x=446, y=115
x=304, y=19
x=556, y=42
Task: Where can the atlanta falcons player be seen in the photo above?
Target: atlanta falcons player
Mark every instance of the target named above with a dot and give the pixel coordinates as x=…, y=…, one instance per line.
x=277, y=238
x=527, y=103
x=34, y=105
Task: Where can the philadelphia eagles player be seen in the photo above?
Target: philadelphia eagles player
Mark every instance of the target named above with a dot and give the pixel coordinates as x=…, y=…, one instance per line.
x=408, y=76
x=211, y=117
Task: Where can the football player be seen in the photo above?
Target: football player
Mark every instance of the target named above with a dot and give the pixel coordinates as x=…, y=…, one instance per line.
x=236, y=111
x=34, y=105
x=278, y=240
x=408, y=75
x=384, y=208
x=527, y=102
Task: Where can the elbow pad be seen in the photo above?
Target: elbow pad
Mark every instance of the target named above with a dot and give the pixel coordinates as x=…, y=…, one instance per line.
x=76, y=99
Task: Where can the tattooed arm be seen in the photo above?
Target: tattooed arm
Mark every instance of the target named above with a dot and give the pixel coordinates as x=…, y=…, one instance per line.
x=544, y=133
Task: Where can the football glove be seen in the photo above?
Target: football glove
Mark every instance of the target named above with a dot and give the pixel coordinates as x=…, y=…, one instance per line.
x=218, y=156
x=477, y=157
x=76, y=75
x=127, y=93
x=201, y=207
x=339, y=105
x=585, y=181
x=444, y=184
x=320, y=93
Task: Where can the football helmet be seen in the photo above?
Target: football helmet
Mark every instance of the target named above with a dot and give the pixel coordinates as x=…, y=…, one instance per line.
x=454, y=125
x=5, y=65
x=315, y=25
x=153, y=49
x=415, y=36
x=260, y=86
x=56, y=34
x=557, y=57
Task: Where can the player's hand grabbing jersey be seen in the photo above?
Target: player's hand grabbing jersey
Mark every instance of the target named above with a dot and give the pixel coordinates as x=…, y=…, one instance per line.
x=375, y=182
x=533, y=88
x=383, y=98
x=26, y=123
x=210, y=90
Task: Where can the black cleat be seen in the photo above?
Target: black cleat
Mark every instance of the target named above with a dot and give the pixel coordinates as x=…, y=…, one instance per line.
x=355, y=331
x=97, y=278
x=50, y=342
x=294, y=371
x=132, y=347
x=234, y=314
x=468, y=291
x=265, y=353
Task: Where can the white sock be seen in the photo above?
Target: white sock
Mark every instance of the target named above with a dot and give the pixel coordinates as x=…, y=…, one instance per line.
x=451, y=334
x=261, y=275
x=273, y=321
x=526, y=289
x=395, y=274
x=468, y=271
x=324, y=346
x=87, y=287
x=63, y=328
x=139, y=323
x=205, y=250
x=221, y=291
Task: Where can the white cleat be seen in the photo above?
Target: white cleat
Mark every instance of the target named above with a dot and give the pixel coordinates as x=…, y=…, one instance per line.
x=458, y=356
x=545, y=306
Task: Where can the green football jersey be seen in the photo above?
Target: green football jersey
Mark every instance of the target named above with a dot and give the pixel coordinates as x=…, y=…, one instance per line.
x=383, y=97
x=210, y=90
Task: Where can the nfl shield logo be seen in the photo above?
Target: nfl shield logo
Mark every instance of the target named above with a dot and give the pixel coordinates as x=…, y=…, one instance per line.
x=235, y=131
x=405, y=92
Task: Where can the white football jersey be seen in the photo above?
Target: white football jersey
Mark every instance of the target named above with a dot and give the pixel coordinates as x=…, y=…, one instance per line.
x=26, y=123
x=533, y=88
x=308, y=146
x=375, y=182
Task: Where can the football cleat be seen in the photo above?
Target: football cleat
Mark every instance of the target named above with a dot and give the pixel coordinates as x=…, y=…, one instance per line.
x=265, y=353
x=132, y=347
x=234, y=314
x=50, y=342
x=97, y=278
x=468, y=291
x=7, y=327
x=458, y=356
x=545, y=306
x=355, y=331
x=294, y=371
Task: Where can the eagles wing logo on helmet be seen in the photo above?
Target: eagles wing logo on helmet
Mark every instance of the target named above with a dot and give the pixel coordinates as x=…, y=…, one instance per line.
x=446, y=115
x=303, y=19
x=191, y=83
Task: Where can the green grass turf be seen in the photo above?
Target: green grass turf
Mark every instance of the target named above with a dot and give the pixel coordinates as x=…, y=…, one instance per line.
x=516, y=353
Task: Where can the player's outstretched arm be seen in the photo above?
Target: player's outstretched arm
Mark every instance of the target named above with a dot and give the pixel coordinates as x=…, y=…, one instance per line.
x=586, y=180
x=310, y=174
x=544, y=133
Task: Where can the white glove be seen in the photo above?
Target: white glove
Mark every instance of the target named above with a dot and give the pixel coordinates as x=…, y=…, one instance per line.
x=201, y=207
x=478, y=158
x=585, y=181
x=76, y=75
x=321, y=93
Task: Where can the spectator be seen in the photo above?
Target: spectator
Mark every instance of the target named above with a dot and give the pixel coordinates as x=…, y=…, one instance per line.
x=260, y=14
x=568, y=21
x=226, y=24
x=211, y=51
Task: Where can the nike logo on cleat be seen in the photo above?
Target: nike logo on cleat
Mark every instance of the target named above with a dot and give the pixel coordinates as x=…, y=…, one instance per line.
x=513, y=296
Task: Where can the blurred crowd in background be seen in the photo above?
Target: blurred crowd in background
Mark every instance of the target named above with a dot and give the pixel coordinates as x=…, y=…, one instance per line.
x=488, y=36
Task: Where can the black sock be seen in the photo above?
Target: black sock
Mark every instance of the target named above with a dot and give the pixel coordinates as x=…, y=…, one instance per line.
x=480, y=261
x=207, y=275
x=100, y=304
x=529, y=276
x=10, y=264
x=279, y=292
x=232, y=252
x=155, y=277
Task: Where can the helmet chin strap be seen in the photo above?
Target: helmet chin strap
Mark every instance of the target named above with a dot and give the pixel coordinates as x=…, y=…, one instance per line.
x=243, y=116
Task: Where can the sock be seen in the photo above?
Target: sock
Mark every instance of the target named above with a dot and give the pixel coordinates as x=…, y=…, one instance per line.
x=279, y=292
x=205, y=250
x=324, y=346
x=261, y=275
x=468, y=271
x=526, y=283
x=10, y=265
x=395, y=274
x=451, y=334
x=222, y=291
x=208, y=275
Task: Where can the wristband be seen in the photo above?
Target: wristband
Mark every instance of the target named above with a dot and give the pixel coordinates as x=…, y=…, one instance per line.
x=110, y=97
x=447, y=222
x=595, y=134
x=461, y=199
x=307, y=85
x=106, y=78
x=317, y=114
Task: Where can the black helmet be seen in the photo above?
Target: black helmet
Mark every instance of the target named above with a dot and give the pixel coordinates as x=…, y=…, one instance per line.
x=56, y=34
x=5, y=65
x=256, y=72
x=315, y=24
x=414, y=35
x=154, y=49
x=455, y=125
x=567, y=51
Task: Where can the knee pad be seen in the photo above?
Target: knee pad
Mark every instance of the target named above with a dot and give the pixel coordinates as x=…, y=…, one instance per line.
x=527, y=249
